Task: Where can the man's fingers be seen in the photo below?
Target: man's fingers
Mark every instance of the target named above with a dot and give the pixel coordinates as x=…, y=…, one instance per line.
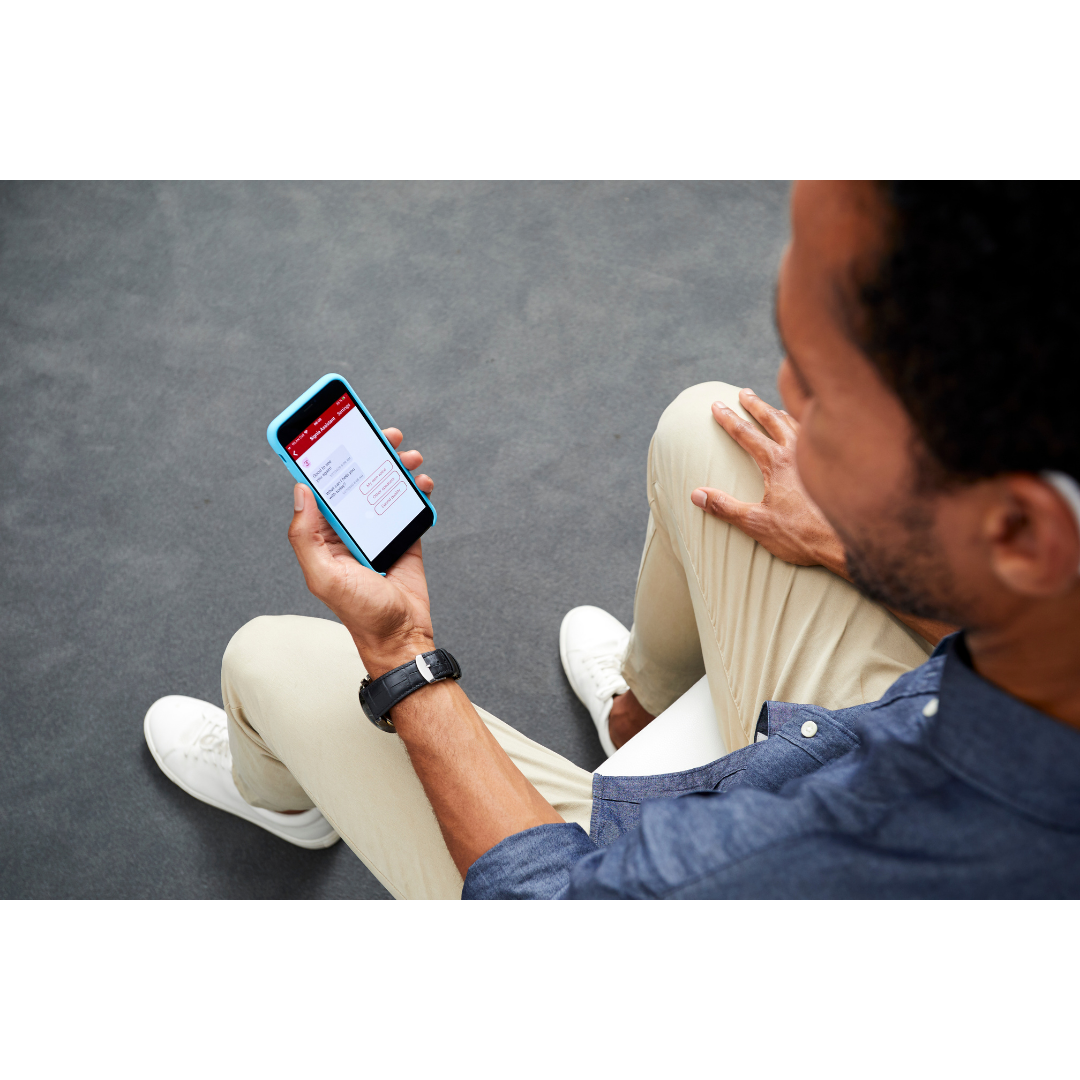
x=425, y=483
x=779, y=426
x=759, y=447
x=723, y=506
x=411, y=459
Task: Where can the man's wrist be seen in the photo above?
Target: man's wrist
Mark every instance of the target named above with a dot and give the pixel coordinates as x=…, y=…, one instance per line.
x=419, y=714
x=379, y=657
x=386, y=699
x=832, y=556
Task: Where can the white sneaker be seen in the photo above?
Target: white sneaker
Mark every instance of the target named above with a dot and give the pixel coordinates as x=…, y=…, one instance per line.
x=190, y=742
x=592, y=645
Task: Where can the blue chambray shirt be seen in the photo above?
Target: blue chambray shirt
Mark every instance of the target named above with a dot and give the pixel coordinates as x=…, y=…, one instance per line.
x=979, y=799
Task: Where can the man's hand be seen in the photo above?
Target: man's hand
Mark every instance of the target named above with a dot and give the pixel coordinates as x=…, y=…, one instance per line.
x=479, y=795
x=786, y=522
x=389, y=617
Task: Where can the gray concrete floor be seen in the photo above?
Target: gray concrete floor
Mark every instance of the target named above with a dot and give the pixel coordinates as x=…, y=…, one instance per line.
x=525, y=336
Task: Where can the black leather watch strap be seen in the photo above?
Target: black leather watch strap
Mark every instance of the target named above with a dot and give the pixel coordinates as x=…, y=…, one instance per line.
x=379, y=696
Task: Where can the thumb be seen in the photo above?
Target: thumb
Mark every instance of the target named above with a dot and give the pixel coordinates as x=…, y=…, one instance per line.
x=721, y=505
x=303, y=504
x=305, y=532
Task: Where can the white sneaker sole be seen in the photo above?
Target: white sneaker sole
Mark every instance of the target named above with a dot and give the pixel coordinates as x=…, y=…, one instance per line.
x=255, y=818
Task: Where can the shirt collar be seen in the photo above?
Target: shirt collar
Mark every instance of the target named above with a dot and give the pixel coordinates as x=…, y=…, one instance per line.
x=1007, y=749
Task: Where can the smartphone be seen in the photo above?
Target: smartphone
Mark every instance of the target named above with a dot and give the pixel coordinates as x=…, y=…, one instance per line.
x=331, y=443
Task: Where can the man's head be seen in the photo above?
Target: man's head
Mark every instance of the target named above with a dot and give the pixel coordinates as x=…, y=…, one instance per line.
x=929, y=331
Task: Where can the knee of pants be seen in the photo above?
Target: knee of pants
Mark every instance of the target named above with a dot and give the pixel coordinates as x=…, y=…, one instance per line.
x=248, y=652
x=688, y=435
x=691, y=412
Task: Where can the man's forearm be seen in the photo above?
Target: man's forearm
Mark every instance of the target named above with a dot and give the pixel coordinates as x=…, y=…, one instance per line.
x=478, y=794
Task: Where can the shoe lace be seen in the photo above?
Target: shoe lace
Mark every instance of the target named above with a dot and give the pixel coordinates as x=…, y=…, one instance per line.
x=606, y=672
x=212, y=742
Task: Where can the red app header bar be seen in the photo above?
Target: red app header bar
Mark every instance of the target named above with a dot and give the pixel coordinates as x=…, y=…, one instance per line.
x=318, y=428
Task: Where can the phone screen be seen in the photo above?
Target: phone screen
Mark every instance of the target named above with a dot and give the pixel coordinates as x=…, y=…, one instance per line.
x=357, y=477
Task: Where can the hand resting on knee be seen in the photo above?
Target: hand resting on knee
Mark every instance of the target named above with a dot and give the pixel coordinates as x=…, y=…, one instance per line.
x=786, y=522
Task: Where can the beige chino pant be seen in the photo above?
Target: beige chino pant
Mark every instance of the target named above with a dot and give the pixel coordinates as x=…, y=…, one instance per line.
x=709, y=601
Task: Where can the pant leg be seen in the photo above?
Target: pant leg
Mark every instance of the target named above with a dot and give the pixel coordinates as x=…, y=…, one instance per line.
x=299, y=738
x=709, y=599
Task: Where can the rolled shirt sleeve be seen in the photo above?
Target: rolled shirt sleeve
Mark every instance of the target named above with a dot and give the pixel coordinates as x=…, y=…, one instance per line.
x=530, y=865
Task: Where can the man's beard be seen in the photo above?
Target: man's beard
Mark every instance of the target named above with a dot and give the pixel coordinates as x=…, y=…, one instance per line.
x=900, y=564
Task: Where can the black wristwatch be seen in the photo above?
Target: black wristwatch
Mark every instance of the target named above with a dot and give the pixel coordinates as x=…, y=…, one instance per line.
x=379, y=696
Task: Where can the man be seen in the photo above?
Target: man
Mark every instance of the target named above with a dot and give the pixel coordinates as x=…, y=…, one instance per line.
x=927, y=453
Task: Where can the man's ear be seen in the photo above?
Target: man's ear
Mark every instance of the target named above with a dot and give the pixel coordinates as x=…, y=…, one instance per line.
x=1034, y=538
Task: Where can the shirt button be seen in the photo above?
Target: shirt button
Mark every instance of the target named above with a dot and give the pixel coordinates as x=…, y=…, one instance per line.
x=930, y=708
x=809, y=729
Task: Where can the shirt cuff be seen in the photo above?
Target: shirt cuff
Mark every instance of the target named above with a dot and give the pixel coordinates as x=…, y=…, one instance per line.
x=530, y=865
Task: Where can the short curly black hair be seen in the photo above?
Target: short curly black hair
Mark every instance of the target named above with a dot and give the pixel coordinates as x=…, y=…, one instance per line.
x=973, y=318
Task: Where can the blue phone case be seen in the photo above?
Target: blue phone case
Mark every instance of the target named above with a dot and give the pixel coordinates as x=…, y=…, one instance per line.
x=271, y=437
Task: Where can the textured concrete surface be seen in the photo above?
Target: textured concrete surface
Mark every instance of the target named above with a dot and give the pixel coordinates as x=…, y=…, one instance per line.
x=525, y=336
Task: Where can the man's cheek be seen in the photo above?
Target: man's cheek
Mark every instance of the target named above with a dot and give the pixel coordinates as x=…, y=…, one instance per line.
x=817, y=473
x=829, y=482
x=791, y=395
